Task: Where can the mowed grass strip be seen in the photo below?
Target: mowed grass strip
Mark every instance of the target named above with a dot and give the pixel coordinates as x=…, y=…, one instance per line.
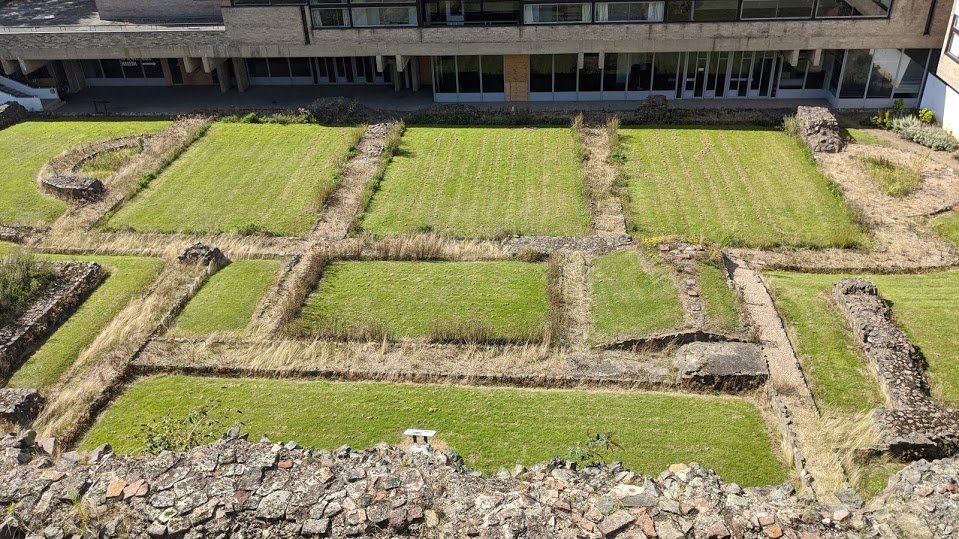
x=926, y=305
x=482, y=182
x=27, y=146
x=246, y=177
x=734, y=186
x=723, y=304
x=947, y=226
x=494, y=301
x=128, y=277
x=631, y=298
x=226, y=302
x=490, y=427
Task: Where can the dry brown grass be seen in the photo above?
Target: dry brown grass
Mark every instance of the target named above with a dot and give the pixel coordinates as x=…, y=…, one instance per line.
x=233, y=245
x=419, y=247
x=99, y=368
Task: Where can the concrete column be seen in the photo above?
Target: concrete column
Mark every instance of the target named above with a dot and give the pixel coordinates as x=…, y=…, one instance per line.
x=191, y=64
x=209, y=64
x=415, y=73
x=242, y=75
x=75, y=79
x=223, y=74
x=29, y=66
x=10, y=67
x=397, y=76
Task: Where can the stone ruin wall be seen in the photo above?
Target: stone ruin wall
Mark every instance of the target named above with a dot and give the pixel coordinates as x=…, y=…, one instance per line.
x=820, y=129
x=45, y=313
x=914, y=425
x=11, y=113
x=235, y=488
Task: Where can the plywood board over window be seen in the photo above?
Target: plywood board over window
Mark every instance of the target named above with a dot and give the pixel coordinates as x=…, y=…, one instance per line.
x=517, y=77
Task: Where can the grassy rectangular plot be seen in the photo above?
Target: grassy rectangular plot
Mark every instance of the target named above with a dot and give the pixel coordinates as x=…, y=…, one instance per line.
x=495, y=301
x=26, y=147
x=249, y=177
x=490, y=427
x=482, y=182
x=734, y=186
x=226, y=302
x=947, y=226
x=129, y=276
x=723, y=304
x=631, y=298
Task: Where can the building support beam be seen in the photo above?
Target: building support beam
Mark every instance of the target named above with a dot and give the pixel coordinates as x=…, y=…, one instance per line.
x=73, y=72
x=223, y=75
x=401, y=62
x=793, y=58
x=817, y=58
x=209, y=64
x=242, y=75
x=380, y=64
x=415, y=73
x=29, y=66
x=397, y=76
x=191, y=64
x=10, y=67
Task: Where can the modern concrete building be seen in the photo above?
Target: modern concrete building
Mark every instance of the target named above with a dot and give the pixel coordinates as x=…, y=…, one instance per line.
x=942, y=84
x=853, y=53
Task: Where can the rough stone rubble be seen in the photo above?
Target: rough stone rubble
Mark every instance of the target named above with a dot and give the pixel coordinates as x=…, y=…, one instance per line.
x=914, y=424
x=820, y=129
x=240, y=489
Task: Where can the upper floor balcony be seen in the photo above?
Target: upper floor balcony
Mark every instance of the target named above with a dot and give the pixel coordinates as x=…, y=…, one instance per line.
x=431, y=13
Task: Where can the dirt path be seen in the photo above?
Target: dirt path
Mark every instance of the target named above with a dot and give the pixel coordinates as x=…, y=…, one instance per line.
x=606, y=207
x=787, y=379
x=574, y=283
x=341, y=209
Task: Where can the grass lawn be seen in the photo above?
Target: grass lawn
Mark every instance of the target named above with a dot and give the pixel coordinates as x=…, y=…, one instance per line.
x=248, y=177
x=128, y=277
x=490, y=427
x=227, y=300
x=438, y=300
x=26, y=147
x=947, y=225
x=632, y=299
x=865, y=136
x=926, y=305
x=482, y=182
x=723, y=304
x=734, y=186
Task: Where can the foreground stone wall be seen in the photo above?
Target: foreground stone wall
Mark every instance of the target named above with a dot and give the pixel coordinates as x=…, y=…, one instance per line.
x=11, y=113
x=241, y=489
x=44, y=314
x=914, y=425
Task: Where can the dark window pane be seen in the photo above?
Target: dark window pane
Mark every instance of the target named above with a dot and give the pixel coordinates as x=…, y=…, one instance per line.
x=564, y=67
x=912, y=71
x=300, y=67
x=885, y=64
x=815, y=78
x=279, y=67
x=91, y=69
x=589, y=76
x=445, y=67
x=131, y=69
x=492, y=74
x=666, y=71
x=640, y=72
x=792, y=76
x=467, y=68
x=152, y=69
x=334, y=17
x=858, y=64
x=541, y=73
x=615, y=72
x=257, y=67
x=835, y=60
x=112, y=69
x=841, y=8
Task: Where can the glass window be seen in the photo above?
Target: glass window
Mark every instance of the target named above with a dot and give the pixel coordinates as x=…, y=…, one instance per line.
x=858, y=65
x=557, y=13
x=834, y=59
x=91, y=69
x=615, y=72
x=330, y=17
x=300, y=67
x=152, y=68
x=885, y=65
x=792, y=77
x=590, y=76
x=702, y=10
x=773, y=9
x=953, y=47
x=468, y=74
x=842, y=8
x=492, y=69
x=815, y=78
x=131, y=69
x=257, y=67
x=911, y=72
x=279, y=67
x=640, y=72
x=541, y=73
x=629, y=11
x=112, y=69
x=445, y=69
x=564, y=71
x=384, y=16
x=666, y=71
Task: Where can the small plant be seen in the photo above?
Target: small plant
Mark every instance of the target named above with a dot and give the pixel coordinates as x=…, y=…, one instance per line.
x=596, y=450
x=791, y=126
x=251, y=229
x=893, y=179
x=172, y=434
x=927, y=116
x=22, y=277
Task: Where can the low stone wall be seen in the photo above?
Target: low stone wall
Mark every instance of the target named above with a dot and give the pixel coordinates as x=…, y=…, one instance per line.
x=19, y=406
x=244, y=489
x=819, y=129
x=11, y=113
x=54, y=305
x=75, y=188
x=60, y=177
x=723, y=366
x=914, y=426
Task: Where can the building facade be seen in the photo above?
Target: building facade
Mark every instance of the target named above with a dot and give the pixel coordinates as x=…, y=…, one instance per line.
x=853, y=53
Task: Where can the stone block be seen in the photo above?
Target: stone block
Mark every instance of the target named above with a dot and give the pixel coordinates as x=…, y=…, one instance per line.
x=721, y=365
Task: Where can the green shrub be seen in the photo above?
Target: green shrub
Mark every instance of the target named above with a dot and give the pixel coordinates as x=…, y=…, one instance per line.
x=22, y=277
x=927, y=116
x=906, y=126
x=171, y=434
x=936, y=138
